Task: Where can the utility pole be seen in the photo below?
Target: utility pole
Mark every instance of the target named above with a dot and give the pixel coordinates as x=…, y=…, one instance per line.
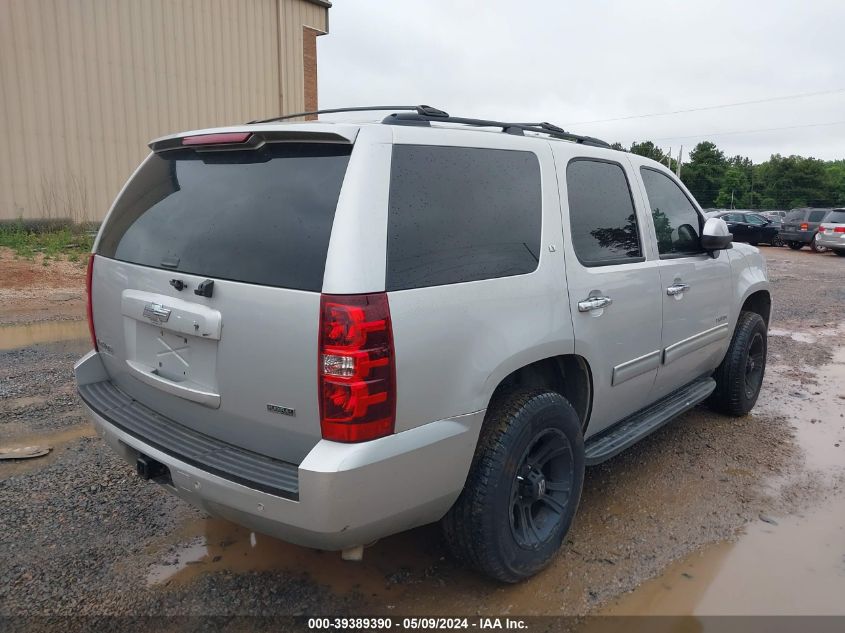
x=752, y=185
x=680, y=158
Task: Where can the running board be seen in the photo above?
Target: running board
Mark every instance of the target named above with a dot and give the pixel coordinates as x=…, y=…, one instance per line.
x=627, y=431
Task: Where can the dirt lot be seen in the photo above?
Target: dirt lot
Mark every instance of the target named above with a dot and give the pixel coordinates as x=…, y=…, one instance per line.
x=79, y=534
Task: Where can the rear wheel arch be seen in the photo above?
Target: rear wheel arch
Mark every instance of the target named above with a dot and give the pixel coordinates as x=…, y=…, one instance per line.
x=566, y=374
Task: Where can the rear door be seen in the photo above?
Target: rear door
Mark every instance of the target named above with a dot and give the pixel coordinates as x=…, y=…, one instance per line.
x=206, y=288
x=614, y=286
x=695, y=288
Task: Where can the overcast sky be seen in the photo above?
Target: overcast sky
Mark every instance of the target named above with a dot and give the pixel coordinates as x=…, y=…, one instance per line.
x=574, y=62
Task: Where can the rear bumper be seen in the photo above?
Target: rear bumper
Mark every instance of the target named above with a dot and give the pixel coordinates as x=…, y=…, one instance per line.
x=348, y=494
x=831, y=240
x=797, y=236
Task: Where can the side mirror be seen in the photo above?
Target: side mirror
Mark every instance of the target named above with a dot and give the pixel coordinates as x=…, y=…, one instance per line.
x=716, y=236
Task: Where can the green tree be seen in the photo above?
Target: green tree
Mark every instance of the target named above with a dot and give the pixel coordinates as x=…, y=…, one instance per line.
x=835, y=175
x=782, y=182
x=704, y=172
x=735, y=190
x=649, y=150
x=795, y=181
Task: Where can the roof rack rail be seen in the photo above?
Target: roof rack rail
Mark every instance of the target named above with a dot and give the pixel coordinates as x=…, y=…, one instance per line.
x=422, y=110
x=424, y=115
x=421, y=118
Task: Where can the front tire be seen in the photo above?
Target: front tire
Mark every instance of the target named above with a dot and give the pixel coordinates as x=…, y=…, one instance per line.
x=840, y=252
x=740, y=375
x=522, y=489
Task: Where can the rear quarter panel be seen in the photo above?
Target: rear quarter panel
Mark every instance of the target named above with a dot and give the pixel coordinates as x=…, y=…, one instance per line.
x=455, y=343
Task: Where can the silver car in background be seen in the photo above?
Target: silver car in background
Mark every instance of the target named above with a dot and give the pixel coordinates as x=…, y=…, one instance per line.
x=831, y=233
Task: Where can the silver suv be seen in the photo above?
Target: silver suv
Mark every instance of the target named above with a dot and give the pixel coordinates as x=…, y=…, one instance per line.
x=333, y=332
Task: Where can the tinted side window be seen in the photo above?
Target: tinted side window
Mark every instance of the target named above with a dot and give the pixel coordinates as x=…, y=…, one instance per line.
x=753, y=218
x=461, y=214
x=816, y=216
x=676, y=221
x=601, y=214
x=260, y=216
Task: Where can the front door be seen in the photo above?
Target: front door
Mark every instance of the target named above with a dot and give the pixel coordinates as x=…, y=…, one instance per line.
x=695, y=287
x=614, y=287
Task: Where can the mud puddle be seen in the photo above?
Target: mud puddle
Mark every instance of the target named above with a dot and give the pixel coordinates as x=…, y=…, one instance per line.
x=57, y=441
x=796, y=567
x=791, y=565
x=218, y=545
x=18, y=336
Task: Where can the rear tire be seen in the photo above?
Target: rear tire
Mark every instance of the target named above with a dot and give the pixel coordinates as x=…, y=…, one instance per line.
x=776, y=241
x=796, y=246
x=740, y=375
x=522, y=489
x=840, y=252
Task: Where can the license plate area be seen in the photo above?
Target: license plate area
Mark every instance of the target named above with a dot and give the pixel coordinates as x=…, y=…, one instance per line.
x=171, y=353
x=171, y=344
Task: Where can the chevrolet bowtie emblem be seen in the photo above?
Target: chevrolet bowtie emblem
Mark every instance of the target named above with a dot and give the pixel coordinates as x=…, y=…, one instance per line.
x=156, y=312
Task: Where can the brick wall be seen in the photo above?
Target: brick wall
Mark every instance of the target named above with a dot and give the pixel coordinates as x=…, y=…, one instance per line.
x=309, y=56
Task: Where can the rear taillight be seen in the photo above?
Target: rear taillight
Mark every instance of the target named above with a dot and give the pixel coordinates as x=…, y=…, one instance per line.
x=839, y=229
x=90, y=307
x=804, y=226
x=356, y=368
x=821, y=229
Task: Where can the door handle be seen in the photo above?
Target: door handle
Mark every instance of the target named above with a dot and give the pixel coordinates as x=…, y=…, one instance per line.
x=676, y=289
x=594, y=303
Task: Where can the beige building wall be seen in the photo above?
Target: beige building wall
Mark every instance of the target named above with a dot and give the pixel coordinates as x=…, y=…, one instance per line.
x=86, y=84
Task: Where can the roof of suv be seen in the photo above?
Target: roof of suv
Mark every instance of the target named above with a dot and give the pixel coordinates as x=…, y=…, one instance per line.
x=417, y=116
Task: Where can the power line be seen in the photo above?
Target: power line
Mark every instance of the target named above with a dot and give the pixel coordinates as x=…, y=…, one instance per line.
x=768, y=129
x=713, y=107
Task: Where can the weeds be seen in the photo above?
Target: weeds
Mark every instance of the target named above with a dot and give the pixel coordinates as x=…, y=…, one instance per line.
x=70, y=240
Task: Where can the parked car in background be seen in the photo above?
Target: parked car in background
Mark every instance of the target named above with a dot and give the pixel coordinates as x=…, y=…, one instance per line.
x=751, y=228
x=831, y=233
x=774, y=215
x=800, y=227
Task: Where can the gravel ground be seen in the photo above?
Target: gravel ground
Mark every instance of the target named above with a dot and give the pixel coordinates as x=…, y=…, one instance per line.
x=80, y=534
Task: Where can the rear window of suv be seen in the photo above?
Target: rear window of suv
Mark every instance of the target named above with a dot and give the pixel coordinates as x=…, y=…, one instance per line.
x=460, y=214
x=260, y=216
x=836, y=217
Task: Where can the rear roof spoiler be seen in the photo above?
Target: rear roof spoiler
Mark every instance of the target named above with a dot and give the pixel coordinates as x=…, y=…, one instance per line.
x=248, y=137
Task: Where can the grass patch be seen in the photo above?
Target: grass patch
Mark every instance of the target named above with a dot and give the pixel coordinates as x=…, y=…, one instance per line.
x=73, y=241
